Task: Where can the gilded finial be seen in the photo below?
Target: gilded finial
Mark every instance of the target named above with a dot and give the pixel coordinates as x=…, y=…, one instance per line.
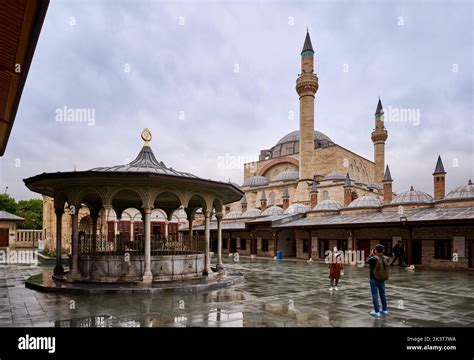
x=146, y=136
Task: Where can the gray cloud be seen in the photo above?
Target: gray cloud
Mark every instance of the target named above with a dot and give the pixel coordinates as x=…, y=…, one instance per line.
x=189, y=69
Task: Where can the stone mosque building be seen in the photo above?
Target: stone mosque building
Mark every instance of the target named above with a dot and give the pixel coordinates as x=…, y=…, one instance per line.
x=306, y=162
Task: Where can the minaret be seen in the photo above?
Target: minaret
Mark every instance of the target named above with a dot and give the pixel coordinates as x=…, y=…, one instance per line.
x=379, y=135
x=439, y=179
x=387, y=186
x=306, y=87
x=347, y=190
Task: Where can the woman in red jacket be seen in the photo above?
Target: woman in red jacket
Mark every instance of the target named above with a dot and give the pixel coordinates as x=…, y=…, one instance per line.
x=336, y=269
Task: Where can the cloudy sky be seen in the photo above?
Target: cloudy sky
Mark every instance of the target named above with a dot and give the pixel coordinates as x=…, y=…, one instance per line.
x=215, y=81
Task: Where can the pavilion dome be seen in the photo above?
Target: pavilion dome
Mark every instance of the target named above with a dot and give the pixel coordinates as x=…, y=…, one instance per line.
x=296, y=209
x=365, y=201
x=273, y=210
x=412, y=196
x=288, y=175
x=328, y=205
x=233, y=214
x=256, y=181
x=251, y=213
x=462, y=192
x=335, y=176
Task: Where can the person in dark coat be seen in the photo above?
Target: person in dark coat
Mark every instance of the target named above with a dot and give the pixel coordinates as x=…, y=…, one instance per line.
x=397, y=251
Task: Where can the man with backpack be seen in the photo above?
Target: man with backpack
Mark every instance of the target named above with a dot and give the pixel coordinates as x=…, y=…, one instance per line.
x=379, y=272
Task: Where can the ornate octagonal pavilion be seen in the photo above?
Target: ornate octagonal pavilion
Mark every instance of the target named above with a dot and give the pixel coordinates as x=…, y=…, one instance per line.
x=144, y=184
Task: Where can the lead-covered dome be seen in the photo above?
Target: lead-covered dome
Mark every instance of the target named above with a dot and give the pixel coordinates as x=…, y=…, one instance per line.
x=273, y=210
x=251, y=213
x=365, y=201
x=412, y=196
x=296, y=209
x=256, y=181
x=462, y=192
x=288, y=175
x=335, y=176
x=328, y=205
x=233, y=214
x=295, y=136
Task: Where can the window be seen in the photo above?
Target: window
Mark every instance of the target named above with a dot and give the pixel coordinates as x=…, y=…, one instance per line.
x=325, y=195
x=443, y=249
x=264, y=245
x=305, y=245
x=243, y=244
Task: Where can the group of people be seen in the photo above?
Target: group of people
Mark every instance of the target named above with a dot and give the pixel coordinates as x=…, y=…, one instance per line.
x=379, y=273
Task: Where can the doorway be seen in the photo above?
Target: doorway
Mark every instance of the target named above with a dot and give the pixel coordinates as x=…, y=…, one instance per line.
x=471, y=254
x=417, y=252
x=4, y=233
x=364, y=245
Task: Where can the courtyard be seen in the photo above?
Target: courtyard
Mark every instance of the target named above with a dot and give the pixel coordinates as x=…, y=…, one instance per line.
x=273, y=294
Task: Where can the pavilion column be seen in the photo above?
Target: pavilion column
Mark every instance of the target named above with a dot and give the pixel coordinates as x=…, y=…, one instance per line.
x=94, y=216
x=410, y=247
x=147, y=275
x=167, y=228
x=75, y=243
x=310, y=246
x=207, y=236
x=275, y=239
x=58, y=269
x=220, y=265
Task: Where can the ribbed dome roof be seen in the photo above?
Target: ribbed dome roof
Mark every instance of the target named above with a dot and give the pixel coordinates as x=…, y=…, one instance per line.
x=233, y=214
x=289, y=175
x=252, y=213
x=273, y=210
x=295, y=136
x=256, y=181
x=328, y=205
x=296, y=209
x=462, y=192
x=412, y=196
x=335, y=176
x=365, y=201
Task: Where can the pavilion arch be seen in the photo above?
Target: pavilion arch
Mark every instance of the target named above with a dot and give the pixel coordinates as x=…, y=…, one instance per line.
x=196, y=201
x=218, y=205
x=126, y=198
x=90, y=196
x=60, y=200
x=112, y=194
x=168, y=201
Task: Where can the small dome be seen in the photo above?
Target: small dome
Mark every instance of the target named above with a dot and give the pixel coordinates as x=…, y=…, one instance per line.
x=289, y=175
x=251, y=213
x=335, y=176
x=412, y=196
x=462, y=192
x=295, y=136
x=296, y=209
x=256, y=181
x=273, y=210
x=365, y=202
x=328, y=205
x=233, y=214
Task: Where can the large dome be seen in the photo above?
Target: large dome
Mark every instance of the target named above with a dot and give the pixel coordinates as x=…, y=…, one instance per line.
x=295, y=136
x=412, y=196
x=462, y=192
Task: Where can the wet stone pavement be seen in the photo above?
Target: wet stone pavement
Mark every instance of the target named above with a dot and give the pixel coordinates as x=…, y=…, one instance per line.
x=275, y=294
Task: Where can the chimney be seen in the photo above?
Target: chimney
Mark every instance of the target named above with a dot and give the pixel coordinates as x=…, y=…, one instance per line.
x=387, y=186
x=439, y=180
x=347, y=191
x=263, y=201
x=314, y=195
x=286, y=198
x=243, y=203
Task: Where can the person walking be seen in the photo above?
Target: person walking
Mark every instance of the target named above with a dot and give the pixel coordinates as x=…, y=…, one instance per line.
x=396, y=251
x=336, y=269
x=379, y=273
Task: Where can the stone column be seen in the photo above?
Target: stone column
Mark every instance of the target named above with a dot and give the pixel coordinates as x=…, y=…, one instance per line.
x=310, y=245
x=220, y=265
x=75, y=243
x=410, y=247
x=166, y=228
x=275, y=239
x=94, y=216
x=147, y=275
x=207, y=235
x=58, y=269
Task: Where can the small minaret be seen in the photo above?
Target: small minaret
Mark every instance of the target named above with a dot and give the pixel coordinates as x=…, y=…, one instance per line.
x=347, y=190
x=314, y=195
x=243, y=203
x=439, y=180
x=263, y=201
x=387, y=186
x=306, y=86
x=286, y=198
x=379, y=136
